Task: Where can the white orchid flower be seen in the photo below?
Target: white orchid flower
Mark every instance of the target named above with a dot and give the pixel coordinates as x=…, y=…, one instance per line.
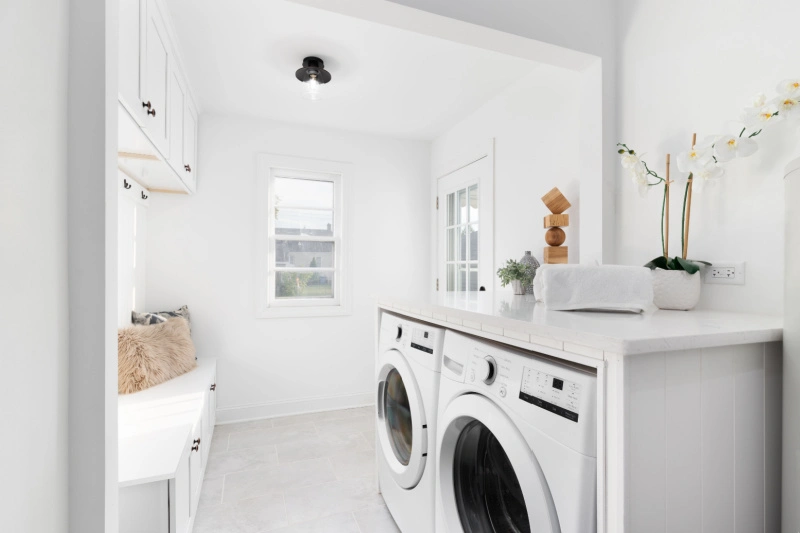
x=760, y=117
x=709, y=172
x=639, y=178
x=629, y=160
x=789, y=88
x=694, y=159
x=759, y=100
x=728, y=147
x=788, y=106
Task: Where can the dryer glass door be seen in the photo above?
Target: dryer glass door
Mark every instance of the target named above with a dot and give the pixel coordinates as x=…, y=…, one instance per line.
x=402, y=427
x=488, y=494
x=490, y=480
x=398, y=417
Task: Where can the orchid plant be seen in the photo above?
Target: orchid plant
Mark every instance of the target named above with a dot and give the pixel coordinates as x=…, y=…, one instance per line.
x=704, y=163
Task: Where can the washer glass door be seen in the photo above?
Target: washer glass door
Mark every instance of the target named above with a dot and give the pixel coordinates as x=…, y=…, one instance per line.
x=487, y=490
x=398, y=417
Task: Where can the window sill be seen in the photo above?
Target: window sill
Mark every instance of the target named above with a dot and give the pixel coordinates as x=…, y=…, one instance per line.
x=304, y=312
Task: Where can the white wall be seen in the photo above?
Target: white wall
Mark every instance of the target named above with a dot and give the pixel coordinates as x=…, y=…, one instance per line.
x=534, y=152
x=692, y=67
x=33, y=269
x=202, y=252
x=584, y=26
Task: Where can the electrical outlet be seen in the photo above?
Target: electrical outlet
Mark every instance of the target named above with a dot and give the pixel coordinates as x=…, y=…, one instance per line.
x=725, y=273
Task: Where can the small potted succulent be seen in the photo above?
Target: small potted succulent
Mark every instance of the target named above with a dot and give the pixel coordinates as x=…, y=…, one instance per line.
x=519, y=275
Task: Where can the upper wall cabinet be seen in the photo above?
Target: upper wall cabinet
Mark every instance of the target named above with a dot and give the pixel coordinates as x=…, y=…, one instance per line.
x=154, y=91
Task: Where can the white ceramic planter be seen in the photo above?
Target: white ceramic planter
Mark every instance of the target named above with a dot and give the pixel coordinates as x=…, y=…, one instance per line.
x=676, y=289
x=517, y=286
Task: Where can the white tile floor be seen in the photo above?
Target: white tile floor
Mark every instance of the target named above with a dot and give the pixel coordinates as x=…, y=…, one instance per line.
x=310, y=473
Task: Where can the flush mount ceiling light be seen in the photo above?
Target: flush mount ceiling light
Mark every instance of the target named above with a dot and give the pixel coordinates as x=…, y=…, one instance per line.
x=313, y=75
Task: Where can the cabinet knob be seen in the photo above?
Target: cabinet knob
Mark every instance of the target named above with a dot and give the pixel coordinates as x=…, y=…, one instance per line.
x=151, y=112
x=146, y=104
x=196, y=446
x=214, y=386
x=187, y=168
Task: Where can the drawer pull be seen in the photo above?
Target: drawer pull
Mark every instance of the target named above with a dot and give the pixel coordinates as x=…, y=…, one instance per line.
x=214, y=386
x=147, y=104
x=151, y=112
x=187, y=168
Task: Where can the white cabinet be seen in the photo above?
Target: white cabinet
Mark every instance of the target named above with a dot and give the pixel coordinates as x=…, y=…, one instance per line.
x=164, y=433
x=155, y=76
x=131, y=17
x=190, y=144
x=155, y=92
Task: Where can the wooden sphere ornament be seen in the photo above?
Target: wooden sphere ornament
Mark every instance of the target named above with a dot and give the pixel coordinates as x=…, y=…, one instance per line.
x=555, y=237
x=557, y=203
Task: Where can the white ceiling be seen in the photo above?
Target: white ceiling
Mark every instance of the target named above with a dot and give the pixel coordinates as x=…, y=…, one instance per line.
x=241, y=56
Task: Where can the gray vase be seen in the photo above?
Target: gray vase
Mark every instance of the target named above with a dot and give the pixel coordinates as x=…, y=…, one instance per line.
x=533, y=265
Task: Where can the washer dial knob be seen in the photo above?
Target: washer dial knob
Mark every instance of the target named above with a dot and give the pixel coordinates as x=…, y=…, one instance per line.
x=487, y=369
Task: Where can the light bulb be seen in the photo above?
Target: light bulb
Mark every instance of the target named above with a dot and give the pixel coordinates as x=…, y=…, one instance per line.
x=312, y=89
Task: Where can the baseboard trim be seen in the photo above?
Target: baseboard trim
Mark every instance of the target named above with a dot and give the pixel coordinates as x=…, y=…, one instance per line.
x=244, y=413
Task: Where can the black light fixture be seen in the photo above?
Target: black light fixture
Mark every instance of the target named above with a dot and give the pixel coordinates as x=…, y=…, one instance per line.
x=313, y=75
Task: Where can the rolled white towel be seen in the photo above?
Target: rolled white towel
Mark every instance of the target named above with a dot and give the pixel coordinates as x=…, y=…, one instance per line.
x=606, y=288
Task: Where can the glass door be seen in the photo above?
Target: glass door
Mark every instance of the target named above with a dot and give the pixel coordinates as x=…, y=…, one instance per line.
x=464, y=229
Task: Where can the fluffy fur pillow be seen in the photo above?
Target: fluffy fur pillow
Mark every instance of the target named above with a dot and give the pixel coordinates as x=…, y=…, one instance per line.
x=149, y=355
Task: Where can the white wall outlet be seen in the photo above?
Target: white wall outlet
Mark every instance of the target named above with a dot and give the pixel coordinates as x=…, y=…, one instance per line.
x=725, y=273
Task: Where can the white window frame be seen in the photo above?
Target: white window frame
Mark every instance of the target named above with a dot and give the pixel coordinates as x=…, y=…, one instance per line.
x=267, y=306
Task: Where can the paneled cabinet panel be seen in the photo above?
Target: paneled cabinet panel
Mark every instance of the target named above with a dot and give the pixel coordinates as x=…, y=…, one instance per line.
x=131, y=22
x=155, y=75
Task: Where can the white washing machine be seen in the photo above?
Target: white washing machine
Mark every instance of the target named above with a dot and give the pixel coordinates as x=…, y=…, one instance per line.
x=516, y=445
x=409, y=365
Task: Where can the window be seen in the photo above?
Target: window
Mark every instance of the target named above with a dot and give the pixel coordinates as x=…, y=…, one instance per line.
x=302, y=238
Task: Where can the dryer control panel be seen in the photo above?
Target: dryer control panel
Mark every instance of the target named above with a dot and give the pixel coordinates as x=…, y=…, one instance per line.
x=552, y=393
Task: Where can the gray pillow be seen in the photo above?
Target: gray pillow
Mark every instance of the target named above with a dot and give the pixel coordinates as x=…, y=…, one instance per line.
x=149, y=319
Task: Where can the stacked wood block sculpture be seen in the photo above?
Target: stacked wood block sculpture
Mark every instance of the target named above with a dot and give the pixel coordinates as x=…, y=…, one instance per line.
x=555, y=236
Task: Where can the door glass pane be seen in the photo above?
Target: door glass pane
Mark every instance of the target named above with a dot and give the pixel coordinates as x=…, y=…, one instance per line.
x=451, y=277
x=462, y=206
x=462, y=277
x=451, y=209
x=473, y=277
x=296, y=192
x=303, y=222
x=462, y=243
x=451, y=244
x=304, y=254
x=473, y=203
x=398, y=417
x=298, y=285
x=473, y=242
x=488, y=494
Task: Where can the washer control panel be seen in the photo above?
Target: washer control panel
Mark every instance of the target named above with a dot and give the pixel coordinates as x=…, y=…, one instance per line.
x=552, y=393
x=423, y=340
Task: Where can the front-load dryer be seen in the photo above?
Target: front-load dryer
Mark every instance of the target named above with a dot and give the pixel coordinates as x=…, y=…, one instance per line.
x=408, y=368
x=516, y=444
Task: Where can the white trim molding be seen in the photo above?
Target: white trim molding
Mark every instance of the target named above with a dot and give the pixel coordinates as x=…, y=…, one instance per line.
x=269, y=167
x=300, y=406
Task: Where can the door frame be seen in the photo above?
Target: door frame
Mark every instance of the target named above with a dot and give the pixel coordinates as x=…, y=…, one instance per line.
x=486, y=251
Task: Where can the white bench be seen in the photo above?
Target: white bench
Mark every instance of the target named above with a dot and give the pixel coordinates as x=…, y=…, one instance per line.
x=164, y=438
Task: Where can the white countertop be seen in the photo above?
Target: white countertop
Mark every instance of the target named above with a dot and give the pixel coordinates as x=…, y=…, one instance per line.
x=590, y=333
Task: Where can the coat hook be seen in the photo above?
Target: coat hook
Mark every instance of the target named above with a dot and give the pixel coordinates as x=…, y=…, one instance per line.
x=126, y=184
x=144, y=196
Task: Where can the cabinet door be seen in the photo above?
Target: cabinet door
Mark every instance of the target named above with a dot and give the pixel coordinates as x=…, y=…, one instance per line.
x=155, y=77
x=196, y=464
x=206, y=428
x=180, y=494
x=190, y=144
x=176, y=109
x=131, y=17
